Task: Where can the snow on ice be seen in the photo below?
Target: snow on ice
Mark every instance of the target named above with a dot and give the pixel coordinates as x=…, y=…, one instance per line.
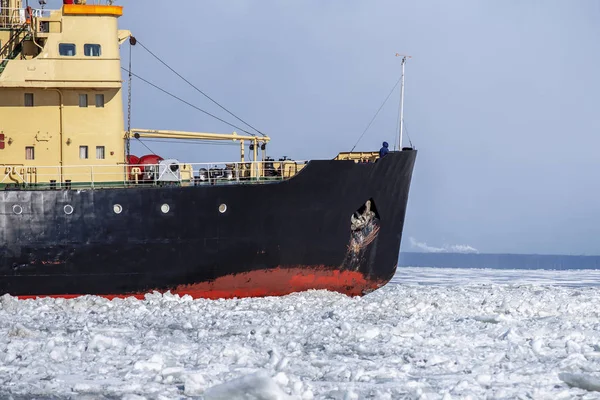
x=472, y=340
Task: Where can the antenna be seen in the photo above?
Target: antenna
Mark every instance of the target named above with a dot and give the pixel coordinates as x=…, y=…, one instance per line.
x=404, y=58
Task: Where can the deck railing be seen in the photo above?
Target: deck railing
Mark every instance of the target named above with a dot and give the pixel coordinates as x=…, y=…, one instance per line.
x=12, y=17
x=15, y=17
x=164, y=174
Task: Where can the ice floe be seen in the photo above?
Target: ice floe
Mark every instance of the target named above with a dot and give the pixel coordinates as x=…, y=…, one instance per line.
x=411, y=340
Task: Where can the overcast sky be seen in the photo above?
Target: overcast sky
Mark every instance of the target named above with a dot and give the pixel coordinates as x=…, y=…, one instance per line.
x=502, y=101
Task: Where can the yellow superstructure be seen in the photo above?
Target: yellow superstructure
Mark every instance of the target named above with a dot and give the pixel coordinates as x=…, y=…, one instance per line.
x=60, y=91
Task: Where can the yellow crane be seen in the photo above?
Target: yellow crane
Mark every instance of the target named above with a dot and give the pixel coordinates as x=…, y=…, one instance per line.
x=255, y=141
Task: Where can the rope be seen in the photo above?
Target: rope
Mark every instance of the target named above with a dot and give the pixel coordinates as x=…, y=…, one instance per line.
x=376, y=114
x=144, y=144
x=406, y=130
x=189, y=104
x=197, y=89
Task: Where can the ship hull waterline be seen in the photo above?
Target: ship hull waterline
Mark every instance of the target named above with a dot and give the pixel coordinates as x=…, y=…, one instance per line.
x=213, y=241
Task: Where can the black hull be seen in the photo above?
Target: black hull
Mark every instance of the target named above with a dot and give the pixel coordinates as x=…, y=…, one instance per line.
x=273, y=239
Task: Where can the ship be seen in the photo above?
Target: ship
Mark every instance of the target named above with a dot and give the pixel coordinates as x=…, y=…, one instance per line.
x=80, y=215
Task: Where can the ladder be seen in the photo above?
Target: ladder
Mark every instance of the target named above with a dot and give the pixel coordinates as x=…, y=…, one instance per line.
x=12, y=48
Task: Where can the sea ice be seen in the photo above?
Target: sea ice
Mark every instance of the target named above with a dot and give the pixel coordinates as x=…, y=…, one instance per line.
x=257, y=386
x=474, y=339
x=582, y=381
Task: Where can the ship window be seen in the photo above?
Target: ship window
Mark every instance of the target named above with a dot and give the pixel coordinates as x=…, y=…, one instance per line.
x=28, y=99
x=92, y=50
x=83, y=152
x=100, y=100
x=83, y=100
x=30, y=153
x=100, y=152
x=67, y=49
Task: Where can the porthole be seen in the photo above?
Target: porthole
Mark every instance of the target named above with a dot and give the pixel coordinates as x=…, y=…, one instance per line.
x=68, y=209
x=165, y=208
x=17, y=209
x=223, y=208
x=118, y=209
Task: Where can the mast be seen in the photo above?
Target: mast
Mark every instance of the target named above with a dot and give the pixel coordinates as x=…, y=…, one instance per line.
x=404, y=58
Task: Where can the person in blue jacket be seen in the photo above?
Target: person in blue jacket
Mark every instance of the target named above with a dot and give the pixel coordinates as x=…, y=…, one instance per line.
x=384, y=150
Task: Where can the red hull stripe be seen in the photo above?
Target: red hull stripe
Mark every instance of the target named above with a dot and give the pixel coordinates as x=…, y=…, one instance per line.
x=272, y=282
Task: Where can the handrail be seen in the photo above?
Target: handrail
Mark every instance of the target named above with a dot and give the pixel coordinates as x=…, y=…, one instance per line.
x=168, y=172
x=13, y=38
x=9, y=50
x=121, y=165
x=36, y=12
x=41, y=13
x=11, y=17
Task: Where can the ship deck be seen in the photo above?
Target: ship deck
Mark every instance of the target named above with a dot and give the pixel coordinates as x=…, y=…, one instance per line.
x=170, y=173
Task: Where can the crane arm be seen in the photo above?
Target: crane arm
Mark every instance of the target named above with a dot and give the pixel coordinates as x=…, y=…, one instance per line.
x=161, y=134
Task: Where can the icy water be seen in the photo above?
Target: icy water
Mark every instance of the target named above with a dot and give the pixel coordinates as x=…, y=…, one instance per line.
x=460, y=276
x=435, y=333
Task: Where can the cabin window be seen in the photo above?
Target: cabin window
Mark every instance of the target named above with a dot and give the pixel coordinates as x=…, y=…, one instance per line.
x=100, y=100
x=83, y=152
x=30, y=153
x=67, y=49
x=92, y=50
x=100, y=152
x=83, y=100
x=28, y=99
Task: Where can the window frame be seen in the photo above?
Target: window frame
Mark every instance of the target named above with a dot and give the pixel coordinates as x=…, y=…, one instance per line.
x=81, y=97
x=87, y=152
x=103, y=148
x=61, y=46
x=100, y=104
x=27, y=149
x=89, y=47
x=26, y=97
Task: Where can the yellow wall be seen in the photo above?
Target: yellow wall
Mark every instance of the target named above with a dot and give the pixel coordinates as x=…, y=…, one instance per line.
x=52, y=68
x=48, y=76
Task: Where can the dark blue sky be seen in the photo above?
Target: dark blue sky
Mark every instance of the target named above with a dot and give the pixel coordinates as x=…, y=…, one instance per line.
x=502, y=101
